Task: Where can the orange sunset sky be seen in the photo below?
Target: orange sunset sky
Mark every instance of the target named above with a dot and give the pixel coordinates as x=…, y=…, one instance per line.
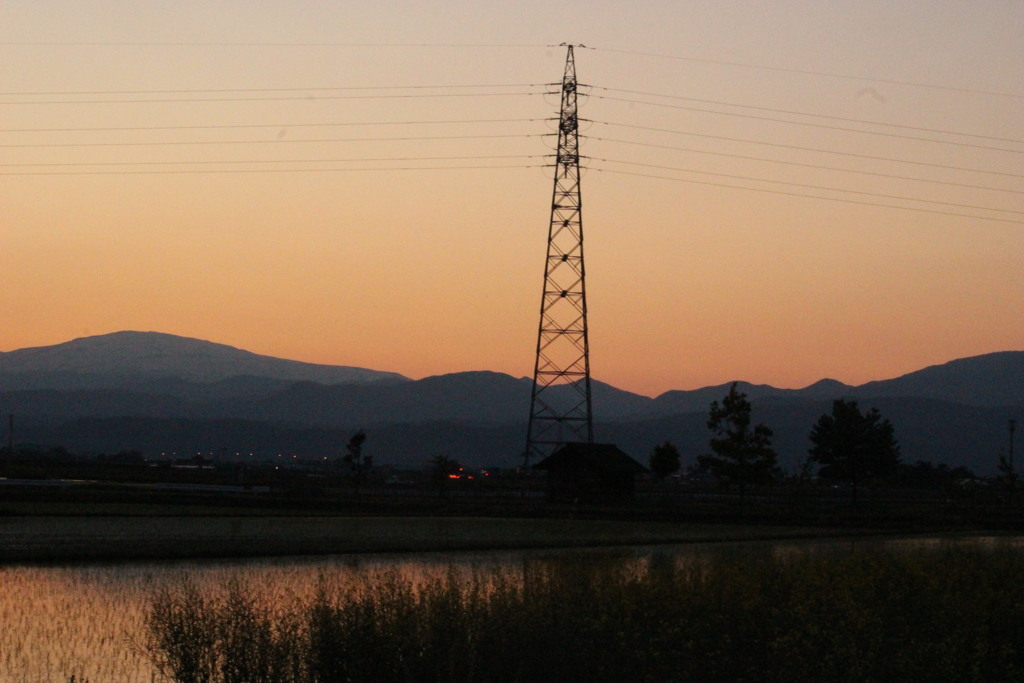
x=774, y=191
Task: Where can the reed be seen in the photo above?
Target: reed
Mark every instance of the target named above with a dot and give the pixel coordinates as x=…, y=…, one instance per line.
x=925, y=614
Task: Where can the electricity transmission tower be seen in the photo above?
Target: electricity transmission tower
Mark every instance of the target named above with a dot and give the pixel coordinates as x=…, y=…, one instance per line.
x=560, y=404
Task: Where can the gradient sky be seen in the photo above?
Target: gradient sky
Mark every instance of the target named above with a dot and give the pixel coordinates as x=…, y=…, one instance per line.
x=708, y=259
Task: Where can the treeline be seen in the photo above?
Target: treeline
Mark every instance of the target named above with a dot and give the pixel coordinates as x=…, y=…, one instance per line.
x=848, y=445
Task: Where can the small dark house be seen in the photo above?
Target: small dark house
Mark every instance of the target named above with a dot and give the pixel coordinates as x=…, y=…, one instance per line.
x=596, y=473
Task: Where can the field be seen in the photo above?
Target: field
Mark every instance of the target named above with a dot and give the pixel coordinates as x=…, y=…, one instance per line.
x=171, y=534
x=112, y=522
x=706, y=600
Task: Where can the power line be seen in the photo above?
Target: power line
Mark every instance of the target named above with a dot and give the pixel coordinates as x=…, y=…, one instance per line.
x=408, y=138
x=462, y=87
x=808, y=149
x=811, y=187
x=268, y=161
x=806, y=196
x=809, y=72
x=489, y=90
x=815, y=166
x=178, y=143
x=293, y=89
x=83, y=43
x=813, y=125
x=266, y=125
x=698, y=60
x=803, y=113
x=318, y=98
x=472, y=137
x=269, y=170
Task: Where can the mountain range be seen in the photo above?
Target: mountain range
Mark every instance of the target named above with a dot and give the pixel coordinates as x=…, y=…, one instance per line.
x=161, y=393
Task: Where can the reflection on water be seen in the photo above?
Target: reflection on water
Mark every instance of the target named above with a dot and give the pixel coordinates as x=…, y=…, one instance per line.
x=61, y=621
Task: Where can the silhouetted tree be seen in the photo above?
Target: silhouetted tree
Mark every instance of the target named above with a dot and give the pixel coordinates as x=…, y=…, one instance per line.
x=359, y=463
x=853, y=446
x=742, y=454
x=664, y=459
x=1008, y=476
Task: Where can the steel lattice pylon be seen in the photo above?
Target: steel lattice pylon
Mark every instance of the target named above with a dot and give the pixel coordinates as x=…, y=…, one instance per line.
x=560, y=405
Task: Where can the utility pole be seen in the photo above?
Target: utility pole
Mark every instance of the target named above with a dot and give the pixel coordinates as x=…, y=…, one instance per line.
x=560, y=403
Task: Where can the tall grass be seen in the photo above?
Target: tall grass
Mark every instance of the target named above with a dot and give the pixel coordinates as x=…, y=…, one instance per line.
x=928, y=614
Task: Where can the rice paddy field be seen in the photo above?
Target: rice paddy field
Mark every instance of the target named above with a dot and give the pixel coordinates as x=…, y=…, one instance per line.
x=89, y=621
x=76, y=538
x=73, y=584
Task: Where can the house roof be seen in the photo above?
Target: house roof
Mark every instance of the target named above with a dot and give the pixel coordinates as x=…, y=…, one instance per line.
x=605, y=457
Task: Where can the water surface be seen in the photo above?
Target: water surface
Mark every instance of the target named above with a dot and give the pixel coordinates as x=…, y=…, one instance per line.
x=87, y=620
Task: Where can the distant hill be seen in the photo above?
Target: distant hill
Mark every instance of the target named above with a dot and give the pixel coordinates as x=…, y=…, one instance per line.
x=995, y=379
x=162, y=393
x=698, y=400
x=124, y=359
x=484, y=398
